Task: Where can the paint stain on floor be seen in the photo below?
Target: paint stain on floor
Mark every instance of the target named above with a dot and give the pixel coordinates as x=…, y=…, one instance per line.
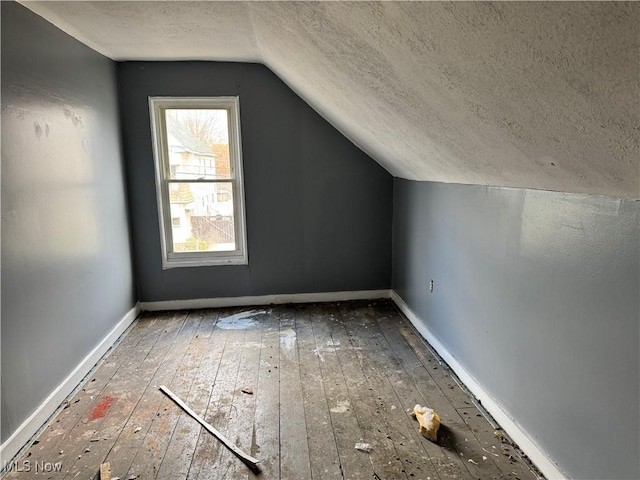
x=240, y=321
x=287, y=339
x=101, y=409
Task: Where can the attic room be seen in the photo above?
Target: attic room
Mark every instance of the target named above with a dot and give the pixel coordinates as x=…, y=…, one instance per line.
x=431, y=203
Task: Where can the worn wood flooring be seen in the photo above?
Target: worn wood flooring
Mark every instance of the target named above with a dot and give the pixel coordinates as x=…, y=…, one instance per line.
x=324, y=377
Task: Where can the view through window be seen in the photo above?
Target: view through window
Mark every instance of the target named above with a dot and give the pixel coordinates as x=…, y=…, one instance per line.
x=199, y=170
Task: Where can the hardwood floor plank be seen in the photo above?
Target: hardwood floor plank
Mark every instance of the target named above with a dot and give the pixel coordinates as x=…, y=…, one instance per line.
x=503, y=455
x=266, y=430
x=109, y=406
x=413, y=385
x=366, y=402
x=456, y=435
x=128, y=393
x=365, y=341
x=144, y=415
x=323, y=450
x=294, y=448
x=243, y=406
x=462, y=439
x=132, y=439
x=347, y=431
x=180, y=454
x=390, y=326
x=218, y=409
x=440, y=374
x=180, y=449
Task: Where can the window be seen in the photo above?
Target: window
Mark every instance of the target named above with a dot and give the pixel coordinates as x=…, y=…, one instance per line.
x=198, y=161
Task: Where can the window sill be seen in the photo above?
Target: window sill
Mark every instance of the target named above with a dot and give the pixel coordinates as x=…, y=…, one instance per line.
x=202, y=262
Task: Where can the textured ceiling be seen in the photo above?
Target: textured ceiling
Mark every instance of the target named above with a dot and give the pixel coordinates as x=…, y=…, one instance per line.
x=541, y=95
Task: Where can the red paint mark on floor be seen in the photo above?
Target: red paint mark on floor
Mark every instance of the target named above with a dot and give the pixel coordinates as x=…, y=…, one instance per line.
x=101, y=409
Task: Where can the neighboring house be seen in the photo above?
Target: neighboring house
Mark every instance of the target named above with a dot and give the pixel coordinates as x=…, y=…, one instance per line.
x=182, y=201
x=201, y=213
x=190, y=158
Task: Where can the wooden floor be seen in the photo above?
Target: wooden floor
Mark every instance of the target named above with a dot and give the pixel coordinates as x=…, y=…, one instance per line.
x=324, y=377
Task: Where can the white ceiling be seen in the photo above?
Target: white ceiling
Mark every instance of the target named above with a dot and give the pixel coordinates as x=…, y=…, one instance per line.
x=541, y=95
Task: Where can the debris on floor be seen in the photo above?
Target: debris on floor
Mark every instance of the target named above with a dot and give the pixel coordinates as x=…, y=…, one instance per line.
x=491, y=453
x=341, y=407
x=137, y=429
x=471, y=460
x=247, y=390
x=288, y=339
x=248, y=460
x=509, y=447
x=429, y=421
x=105, y=471
x=363, y=447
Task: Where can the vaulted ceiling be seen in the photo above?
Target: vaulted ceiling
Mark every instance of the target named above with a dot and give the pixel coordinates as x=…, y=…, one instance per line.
x=541, y=95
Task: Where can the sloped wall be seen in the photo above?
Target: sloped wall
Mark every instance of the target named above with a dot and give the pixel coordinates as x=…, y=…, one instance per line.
x=318, y=208
x=66, y=262
x=537, y=295
x=542, y=95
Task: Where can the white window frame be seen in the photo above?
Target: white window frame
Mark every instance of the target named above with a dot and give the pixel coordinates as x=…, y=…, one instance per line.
x=171, y=259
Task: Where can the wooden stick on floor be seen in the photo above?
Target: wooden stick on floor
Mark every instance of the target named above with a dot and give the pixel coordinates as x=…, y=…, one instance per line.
x=105, y=471
x=247, y=459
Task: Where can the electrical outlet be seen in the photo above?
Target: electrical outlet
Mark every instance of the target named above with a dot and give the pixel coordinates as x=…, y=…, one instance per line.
x=430, y=286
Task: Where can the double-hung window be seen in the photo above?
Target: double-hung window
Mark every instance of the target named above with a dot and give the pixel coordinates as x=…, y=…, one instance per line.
x=198, y=162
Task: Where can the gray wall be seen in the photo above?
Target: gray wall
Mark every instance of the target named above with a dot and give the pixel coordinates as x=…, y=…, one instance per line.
x=537, y=295
x=66, y=268
x=318, y=208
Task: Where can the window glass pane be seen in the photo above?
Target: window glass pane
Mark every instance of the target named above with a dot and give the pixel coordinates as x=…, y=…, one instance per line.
x=198, y=144
x=204, y=213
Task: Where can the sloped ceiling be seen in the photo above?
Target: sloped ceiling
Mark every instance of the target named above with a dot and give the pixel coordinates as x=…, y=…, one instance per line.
x=541, y=95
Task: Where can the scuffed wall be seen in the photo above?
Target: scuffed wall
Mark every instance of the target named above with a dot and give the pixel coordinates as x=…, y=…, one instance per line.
x=66, y=268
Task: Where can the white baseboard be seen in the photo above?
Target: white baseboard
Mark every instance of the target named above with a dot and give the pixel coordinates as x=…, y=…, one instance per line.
x=264, y=300
x=515, y=431
x=12, y=446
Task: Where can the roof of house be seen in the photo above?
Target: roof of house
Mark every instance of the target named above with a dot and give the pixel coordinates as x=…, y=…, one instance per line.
x=180, y=136
x=182, y=194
